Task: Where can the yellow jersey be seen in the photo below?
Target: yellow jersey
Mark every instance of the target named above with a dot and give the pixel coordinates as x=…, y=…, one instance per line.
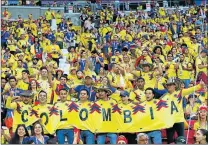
x=43, y=113
x=21, y=112
x=63, y=112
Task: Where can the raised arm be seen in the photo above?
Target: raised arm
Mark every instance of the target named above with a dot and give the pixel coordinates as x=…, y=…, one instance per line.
x=186, y=92
x=9, y=103
x=159, y=92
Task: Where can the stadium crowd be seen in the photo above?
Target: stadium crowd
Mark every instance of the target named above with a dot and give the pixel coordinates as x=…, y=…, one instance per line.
x=113, y=57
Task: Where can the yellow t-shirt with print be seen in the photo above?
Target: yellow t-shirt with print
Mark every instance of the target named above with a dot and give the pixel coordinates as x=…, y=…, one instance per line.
x=43, y=109
x=63, y=107
x=18, y=72
x=18, y=107
x=44, y=43
x=137, y=96
x=193, y=109
x=20, y=43
x=58, y=18
x=11, y=45
x=173, y=97
x=22, y=85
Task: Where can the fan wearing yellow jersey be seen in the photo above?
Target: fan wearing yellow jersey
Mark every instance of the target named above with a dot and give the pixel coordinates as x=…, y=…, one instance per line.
x=84, y=102
x=42, y=109
x=21, y=106
x=64, y=129
x=150, y=104
x=103, y=98
x=176, y=97
x=125, y=106
x=138, y=95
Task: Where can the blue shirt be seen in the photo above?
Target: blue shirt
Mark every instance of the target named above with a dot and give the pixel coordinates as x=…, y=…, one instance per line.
x=4, y=36
x=115, y=46
x=62, y=26
x=82, y=64
x=91, y=91
x=51, y=37
x=98, y=65
x=105, y=49
x=69, y=35
x=26, y=140
x=36, y=141
x=107, y=37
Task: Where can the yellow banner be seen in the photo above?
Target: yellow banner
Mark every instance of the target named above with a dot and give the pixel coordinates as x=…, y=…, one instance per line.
x=107, y=117
x=101, y=117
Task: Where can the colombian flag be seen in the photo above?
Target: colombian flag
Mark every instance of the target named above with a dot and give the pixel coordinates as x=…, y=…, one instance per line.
x=9, y=118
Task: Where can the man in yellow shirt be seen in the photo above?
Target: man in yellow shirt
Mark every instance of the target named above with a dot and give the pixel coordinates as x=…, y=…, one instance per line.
x=23, y=83
x=59, y=38
x=104, y=94
x=124, y=105
x=155, y=137
x=21, y=106
x=64, y=128
x=50, y=62
x=176, y=97
x=55, y=51
x=171, y=66
x=84, y=102
x=22, y=42
x=42, y=109
x=49, y=15
x=45, y=83
x=138, y=95
x=184, y=70
x=18, y=70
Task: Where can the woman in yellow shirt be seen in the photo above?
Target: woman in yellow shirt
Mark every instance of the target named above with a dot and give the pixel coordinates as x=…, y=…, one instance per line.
x=202, y=118
x=192, y=106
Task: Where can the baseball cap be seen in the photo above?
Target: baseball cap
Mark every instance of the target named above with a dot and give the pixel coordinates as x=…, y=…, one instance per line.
x=181, y=140
x=124, y=94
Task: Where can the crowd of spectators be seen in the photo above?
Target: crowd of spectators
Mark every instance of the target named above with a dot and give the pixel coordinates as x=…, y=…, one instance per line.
x=138, y=57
